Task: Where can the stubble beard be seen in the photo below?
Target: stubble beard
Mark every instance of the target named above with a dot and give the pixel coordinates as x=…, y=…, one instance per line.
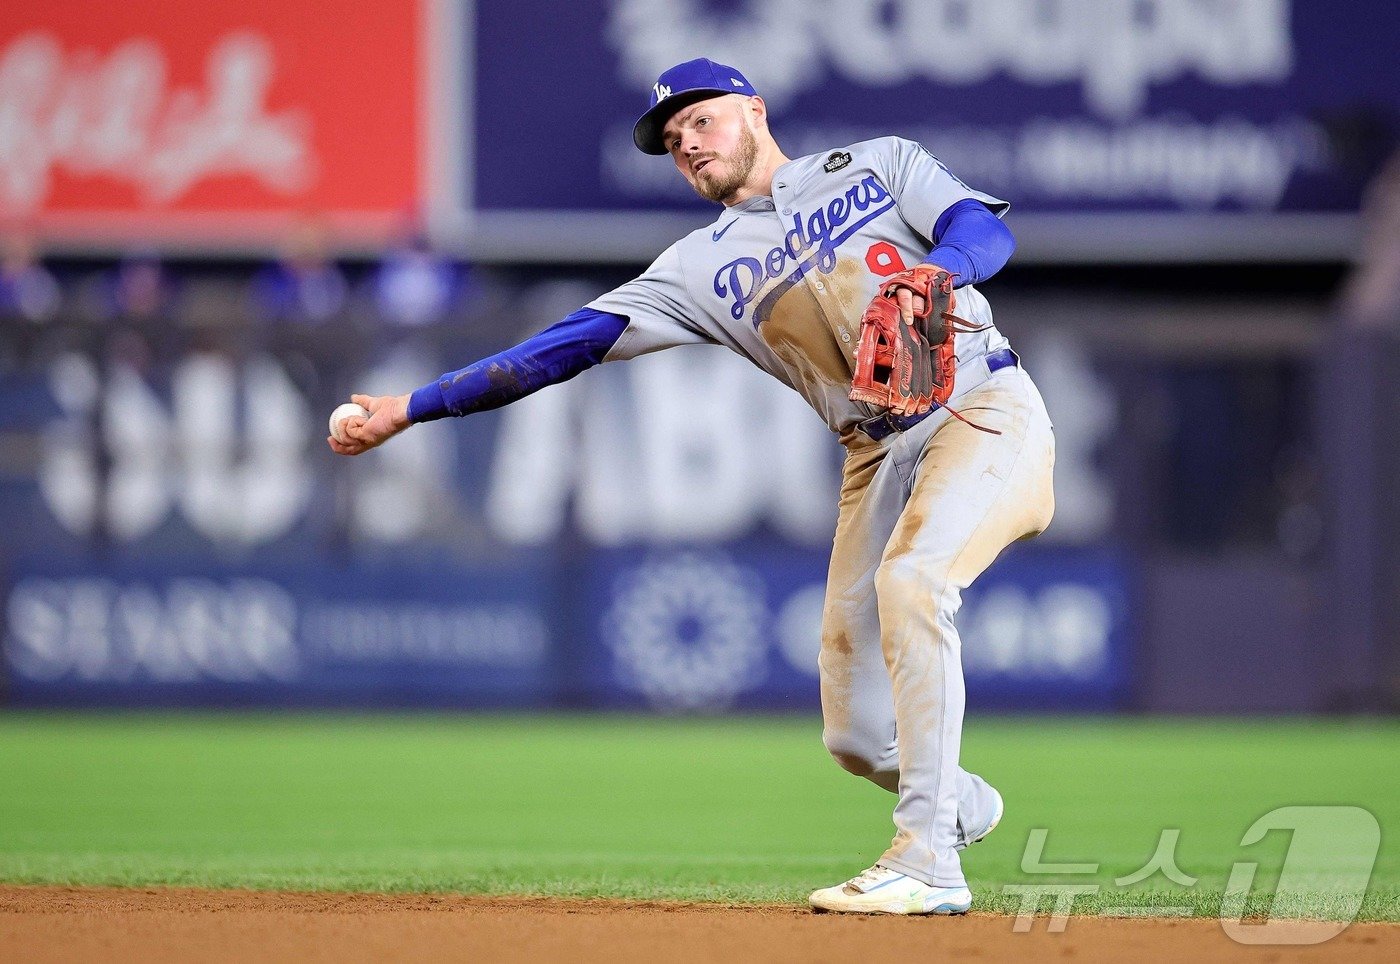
x=740, y=165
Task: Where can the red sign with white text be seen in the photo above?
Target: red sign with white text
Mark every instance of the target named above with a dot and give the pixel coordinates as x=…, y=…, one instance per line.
x=213, y=122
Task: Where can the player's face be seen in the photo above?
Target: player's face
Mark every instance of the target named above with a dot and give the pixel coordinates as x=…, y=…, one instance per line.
x=714, y=146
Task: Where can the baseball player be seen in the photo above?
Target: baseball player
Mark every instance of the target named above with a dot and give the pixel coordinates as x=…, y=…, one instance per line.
x=848, y=275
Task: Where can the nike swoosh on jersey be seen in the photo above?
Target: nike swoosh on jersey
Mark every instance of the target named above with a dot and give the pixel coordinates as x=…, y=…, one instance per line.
x=716, y=235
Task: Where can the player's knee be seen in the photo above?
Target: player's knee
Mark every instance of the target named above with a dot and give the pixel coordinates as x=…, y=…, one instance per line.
x=1047, y=511
x=854, y=754
x=1043, y=513
x=900, y=585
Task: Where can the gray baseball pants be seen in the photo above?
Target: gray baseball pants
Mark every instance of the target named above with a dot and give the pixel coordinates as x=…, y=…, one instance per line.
x=922, y=514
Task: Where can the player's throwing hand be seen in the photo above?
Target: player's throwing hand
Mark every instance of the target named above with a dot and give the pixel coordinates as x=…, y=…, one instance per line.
x=388, y=416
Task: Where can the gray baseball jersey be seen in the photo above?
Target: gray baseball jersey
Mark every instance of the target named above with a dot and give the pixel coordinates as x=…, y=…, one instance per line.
x=784, y=280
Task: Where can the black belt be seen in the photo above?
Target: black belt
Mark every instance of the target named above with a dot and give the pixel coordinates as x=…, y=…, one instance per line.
x=882, y=426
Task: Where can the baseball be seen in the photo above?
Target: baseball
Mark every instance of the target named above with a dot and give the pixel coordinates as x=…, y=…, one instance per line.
x=341, y=413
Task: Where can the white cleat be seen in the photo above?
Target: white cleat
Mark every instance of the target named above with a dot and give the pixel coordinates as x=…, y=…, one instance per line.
x=881, y=890
x=996, y=819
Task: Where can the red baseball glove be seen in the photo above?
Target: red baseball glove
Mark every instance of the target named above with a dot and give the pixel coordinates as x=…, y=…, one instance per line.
x=905, y=361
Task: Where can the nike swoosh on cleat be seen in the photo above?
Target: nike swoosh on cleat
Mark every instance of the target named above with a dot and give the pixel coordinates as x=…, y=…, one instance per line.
x=716, y=235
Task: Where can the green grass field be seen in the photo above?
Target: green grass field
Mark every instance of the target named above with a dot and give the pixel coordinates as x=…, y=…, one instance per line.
x=725, y=809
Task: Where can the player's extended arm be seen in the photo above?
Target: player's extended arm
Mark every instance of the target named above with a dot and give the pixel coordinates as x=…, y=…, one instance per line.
x=556, y=354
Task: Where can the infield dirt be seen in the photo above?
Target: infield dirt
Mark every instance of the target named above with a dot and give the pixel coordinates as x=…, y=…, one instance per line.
x=171, y=924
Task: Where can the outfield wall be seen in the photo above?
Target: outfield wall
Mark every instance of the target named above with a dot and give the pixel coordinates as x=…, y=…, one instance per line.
x=177, y=532
x=173, y=530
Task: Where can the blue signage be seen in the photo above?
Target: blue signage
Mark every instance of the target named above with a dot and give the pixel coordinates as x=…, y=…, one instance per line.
x=1079, y=107
x=739, y=626
x=119, y=631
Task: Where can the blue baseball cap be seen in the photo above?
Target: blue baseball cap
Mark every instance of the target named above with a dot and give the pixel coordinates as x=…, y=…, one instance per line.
x=678, y=88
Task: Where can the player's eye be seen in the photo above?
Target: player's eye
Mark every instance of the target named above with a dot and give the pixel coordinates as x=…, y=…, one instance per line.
x=702, y=122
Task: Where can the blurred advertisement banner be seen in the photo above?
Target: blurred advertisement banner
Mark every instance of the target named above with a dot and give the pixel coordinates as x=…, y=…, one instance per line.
x=208, y=122
x=740, y=626
x=176, y=532
x=707, y=629
x=348, y=634
x=1121, y=128
x=230, y=452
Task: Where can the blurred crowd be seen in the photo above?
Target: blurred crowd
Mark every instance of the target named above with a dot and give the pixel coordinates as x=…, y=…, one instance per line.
x=324, y=318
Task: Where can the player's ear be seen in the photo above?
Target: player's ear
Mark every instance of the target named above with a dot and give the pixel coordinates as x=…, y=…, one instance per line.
x=757, y=110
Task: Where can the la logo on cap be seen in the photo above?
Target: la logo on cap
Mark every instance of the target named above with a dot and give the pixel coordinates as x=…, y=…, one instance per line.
x=662, y=91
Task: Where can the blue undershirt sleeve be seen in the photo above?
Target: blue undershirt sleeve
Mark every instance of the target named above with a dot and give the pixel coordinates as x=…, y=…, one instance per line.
x=554, y=355
x=970, y=242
